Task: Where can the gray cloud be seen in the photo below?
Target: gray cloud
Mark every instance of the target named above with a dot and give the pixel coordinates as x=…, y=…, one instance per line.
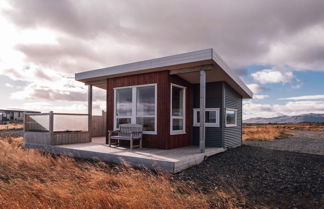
x=81, y=19
x=242, y=32
x=68, y=54
x=43, y=75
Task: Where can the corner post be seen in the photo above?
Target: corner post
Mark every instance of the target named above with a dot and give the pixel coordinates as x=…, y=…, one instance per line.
x=106, y=114
x=90, y=111
x=202, y=130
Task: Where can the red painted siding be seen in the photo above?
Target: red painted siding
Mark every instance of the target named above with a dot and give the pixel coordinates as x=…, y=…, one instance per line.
x=163, y=80
x=181, y=140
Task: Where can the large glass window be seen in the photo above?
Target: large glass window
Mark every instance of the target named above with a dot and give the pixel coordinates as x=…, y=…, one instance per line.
x=136, y=104
x=211, y=117
x=123, y=106
x=177, y=109
x=231, y=117
x=145, y=107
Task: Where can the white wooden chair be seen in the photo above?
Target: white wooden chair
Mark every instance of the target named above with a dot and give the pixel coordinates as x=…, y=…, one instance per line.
x=127, y=132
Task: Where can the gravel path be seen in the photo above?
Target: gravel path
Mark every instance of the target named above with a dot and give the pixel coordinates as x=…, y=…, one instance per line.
x=263, y=177
x=302, y=141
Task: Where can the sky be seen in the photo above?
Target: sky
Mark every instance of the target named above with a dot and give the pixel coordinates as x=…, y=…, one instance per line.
x=276, y=47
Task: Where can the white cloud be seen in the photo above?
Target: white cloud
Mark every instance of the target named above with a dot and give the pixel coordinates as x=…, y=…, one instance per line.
x=306, y=97
x=63, y=107
x=253, y=110
x=260, y=96
x=255, y=88
x=60, y=39
x=9, y=85
x=272, y=76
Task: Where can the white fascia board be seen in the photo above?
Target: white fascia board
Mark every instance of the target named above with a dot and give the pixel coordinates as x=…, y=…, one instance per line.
x=178, y=59
x=195, y=56
x=231, y=74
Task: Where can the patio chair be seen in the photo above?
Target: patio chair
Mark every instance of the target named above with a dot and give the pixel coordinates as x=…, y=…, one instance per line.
x=127, y=132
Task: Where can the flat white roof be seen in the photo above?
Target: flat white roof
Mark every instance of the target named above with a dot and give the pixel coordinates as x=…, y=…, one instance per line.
x=174, y=62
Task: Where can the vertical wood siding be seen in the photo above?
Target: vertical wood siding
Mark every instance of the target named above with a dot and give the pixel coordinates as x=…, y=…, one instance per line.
x=162, y=139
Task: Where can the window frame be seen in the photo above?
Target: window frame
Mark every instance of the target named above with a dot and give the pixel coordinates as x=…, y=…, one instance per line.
x=183, y=131
x=216, y=124
x=235, y=113
x=134, y=111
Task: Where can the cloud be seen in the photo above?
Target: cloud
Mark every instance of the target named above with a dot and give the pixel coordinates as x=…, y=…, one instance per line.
x=255, y=88
x=63, y=107
x=81, y=20
x=267, y=29
x=252, y=109
x=306, y=97
x=260, y=96
x=68, y=91
x=88, y=35
x=272, y=76
x=9, y=85
x=67, y=55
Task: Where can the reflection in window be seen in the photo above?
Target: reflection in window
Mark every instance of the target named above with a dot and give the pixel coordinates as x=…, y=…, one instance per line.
x=231, y=117
x=211, y=117
x=124, y=102
x=136, y=104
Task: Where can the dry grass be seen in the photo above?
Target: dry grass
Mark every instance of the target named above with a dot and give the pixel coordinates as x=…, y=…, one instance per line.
x=262, y=132
x=276, y=131
x=31, y=179
x=304, y=126
x=12, y=126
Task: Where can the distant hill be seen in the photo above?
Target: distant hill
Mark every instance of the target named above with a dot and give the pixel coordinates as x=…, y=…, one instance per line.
x=289, y=119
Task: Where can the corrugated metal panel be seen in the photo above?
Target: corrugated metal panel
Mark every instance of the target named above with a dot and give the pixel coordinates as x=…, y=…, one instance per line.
x=233, y=135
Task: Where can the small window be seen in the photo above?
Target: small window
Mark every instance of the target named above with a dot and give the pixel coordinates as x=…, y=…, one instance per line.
x=178, y=106
x=231, y=117
x=211, y=117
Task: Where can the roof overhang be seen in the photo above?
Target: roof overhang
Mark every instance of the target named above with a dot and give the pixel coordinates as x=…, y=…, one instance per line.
x=186, y=66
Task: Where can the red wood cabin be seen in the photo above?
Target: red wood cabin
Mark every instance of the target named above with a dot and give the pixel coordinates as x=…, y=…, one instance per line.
x=169, y=95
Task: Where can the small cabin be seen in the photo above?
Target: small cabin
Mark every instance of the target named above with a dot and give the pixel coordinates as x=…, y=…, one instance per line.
x=181, y=100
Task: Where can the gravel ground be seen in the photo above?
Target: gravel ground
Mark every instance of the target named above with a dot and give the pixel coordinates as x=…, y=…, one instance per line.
x=263, y=177
x=302, y=141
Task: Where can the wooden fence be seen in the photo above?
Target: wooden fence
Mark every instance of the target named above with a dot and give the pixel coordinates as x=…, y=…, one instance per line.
x=99, y=125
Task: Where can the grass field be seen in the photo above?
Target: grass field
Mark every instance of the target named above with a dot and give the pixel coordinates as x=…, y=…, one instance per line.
x=31, y=179
x=276, y=131
x=12, y=126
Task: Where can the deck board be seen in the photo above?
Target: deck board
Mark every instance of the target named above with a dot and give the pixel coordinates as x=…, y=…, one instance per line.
x=171, y=160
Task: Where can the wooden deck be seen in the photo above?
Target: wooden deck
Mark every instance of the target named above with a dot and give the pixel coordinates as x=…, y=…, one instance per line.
x=172, y=160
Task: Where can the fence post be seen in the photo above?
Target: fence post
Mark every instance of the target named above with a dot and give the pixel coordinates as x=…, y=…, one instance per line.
x=24, y=122
x=51, y=126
